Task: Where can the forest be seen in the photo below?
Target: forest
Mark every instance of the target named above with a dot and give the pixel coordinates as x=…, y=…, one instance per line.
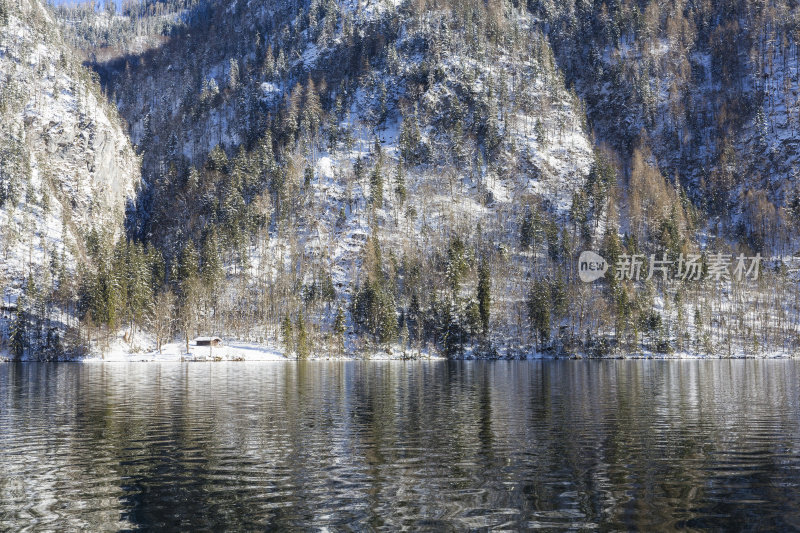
x=418, y=178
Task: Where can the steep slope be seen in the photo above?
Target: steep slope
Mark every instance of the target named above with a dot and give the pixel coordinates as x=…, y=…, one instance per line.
x=424, y=175
x=314, y=132
x=711, y=88
x=67, y=168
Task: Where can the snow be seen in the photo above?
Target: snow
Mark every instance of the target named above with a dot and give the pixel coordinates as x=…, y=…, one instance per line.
x=232, y=350
x=176, y=351
x=552, y=171
x=270, y=90
x=236, y=351
x=75, y=148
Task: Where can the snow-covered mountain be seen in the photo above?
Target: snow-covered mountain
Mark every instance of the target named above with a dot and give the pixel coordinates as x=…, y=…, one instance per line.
x=67, y=167
x=481, y=132
x=422, y=177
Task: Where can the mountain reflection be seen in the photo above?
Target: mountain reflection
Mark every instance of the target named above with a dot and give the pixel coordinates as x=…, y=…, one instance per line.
x=610, y=444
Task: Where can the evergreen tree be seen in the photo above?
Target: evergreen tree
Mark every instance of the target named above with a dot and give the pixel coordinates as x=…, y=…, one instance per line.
x=312, y=110
x=188, y=262
x=484, y=296
x=157, y=267
x=376, y=187
x=492, y=136
x=339, y=327
x=269, y=63
x=212, y=270
x=456, y=263
x=386, y=317
x=579, y=212
x=19, y=329
x=291, y=113
x=140, y=284
x=400, y=184
x=473, y=315
x=541, y=134
x=233, y=74
x=303, y=349
x=410, y=138
x=373, y=304
x=526, y=229
x=359, y=169
x=539, y=310
x=558, y=299
x=551, y=235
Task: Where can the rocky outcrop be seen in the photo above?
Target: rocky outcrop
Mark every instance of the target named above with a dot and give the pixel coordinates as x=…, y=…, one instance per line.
x=68, y=165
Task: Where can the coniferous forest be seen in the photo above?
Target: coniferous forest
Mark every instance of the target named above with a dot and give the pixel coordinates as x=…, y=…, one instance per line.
x=413, y=178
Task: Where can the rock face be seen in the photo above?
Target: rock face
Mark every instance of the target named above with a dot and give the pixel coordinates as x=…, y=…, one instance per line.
x=66, y=165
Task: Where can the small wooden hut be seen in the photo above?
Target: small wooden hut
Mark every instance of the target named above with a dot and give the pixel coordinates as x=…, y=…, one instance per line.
x=208, y=341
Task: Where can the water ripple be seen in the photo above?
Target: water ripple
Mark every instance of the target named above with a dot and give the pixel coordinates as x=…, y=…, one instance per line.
x=386, y=446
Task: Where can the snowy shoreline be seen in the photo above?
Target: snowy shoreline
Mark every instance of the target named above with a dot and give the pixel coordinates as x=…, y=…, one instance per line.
x=235, y=351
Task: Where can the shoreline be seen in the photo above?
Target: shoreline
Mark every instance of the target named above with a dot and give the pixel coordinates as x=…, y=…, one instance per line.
x=191, y=358
x=240, y=351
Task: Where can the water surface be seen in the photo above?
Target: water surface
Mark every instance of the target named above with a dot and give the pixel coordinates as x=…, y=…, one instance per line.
x=388, y=445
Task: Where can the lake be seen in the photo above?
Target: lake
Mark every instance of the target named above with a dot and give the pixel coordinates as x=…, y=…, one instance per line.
x=387, y=445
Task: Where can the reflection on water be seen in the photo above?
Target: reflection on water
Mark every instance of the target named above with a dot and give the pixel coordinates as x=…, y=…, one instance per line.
x=582, y=444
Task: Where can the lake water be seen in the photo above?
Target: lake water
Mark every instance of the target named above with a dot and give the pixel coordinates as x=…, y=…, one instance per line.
x=384, y=445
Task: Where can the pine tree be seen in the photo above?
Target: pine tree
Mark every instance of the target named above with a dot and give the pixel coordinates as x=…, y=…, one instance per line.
x=484, y=296
x=383, y=104
x=188, y=262
x=233, y=74
x=579, y=213
x=212, y=270
x=173, y=147
x=303, y=349
x=339, y=327
x=558, y=299
x=281, y=63
x=193, y=180
x=386, y=317
x=473, y=316
x=410, y=138
x=269, y=63
x=492, y=137
x=19, y=327
x=400, y=184
x=761, y=128
x=539, y=310
x=359, y=169
x=526, y=229
x=140, y=292
x=541, y=135
x=373, y=303
x=551, y=235
x=456, y=264
x=376, y=187
x=312, y=110
x=157, y=268
x=291, y=114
